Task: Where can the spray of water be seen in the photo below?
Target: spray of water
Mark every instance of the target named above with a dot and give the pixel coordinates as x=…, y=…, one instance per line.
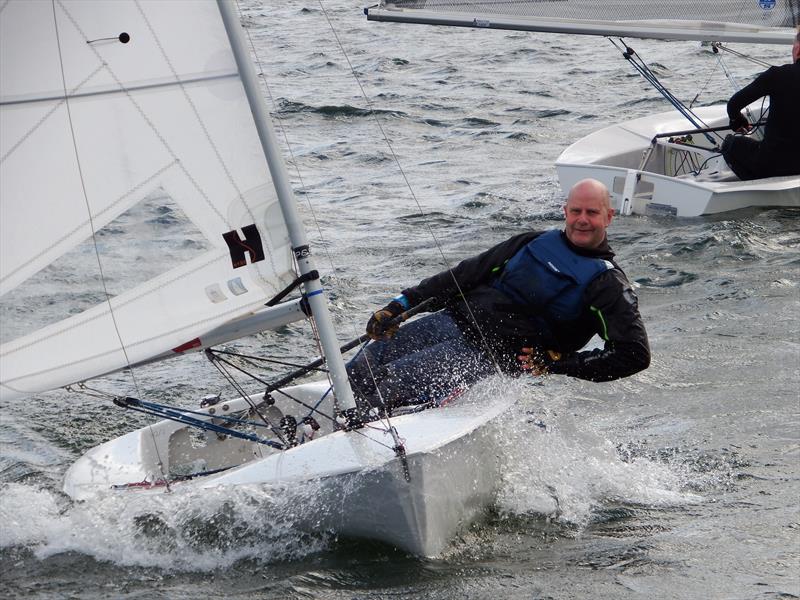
x=187, y=530
x=554, y=465
x=561, y=466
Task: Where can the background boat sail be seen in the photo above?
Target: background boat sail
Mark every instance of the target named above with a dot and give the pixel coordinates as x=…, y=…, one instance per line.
x=653, y=165
x=106, y=104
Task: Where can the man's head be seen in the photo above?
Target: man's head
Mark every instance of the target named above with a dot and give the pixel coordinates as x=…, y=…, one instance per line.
x=796, y=46
x=588, y=213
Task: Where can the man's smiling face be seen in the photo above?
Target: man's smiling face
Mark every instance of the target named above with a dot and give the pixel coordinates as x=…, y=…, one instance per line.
x=587, y=213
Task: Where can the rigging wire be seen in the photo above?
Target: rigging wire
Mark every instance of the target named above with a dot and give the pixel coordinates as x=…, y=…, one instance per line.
x=219, y=364
x=399, y=447
x=728, y=74
x=252, y=359
x=372, y=112
x=762, y=112
x=277, y=118
x=313, y=409
x=396, y=160
x=711, y=72
x=640, y=65
x=741, y=55
x=389, y=427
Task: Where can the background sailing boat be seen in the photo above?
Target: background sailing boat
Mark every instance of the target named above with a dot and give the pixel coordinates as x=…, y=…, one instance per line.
x=669, y=163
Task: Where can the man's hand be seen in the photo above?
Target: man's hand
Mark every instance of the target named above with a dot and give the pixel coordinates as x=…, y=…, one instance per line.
x=537, y=362
x=379, y=326
x=739, y=124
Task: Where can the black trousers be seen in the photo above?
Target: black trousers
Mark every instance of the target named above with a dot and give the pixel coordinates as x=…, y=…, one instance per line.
x=427, y=360
x=752, y=159
x=742, y=155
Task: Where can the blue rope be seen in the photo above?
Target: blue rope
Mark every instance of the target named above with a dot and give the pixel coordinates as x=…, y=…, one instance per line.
x=182, y=416
x=642, y=68
x=316, y=406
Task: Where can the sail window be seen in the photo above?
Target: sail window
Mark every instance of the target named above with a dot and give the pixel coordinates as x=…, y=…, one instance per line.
x=215, y=293
x=236, y=286
x=145, y=241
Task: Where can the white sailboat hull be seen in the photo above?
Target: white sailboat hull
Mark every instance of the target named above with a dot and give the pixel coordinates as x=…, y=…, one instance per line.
x=614, y=154
x=359, y=485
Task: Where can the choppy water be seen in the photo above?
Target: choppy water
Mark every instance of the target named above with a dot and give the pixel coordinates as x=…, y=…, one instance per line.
x=680, y=482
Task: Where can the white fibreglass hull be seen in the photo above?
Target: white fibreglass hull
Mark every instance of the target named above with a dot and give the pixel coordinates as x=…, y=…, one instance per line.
x=359, y=484
x=614, y=154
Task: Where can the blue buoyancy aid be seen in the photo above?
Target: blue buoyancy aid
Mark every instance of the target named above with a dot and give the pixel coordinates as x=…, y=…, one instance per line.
x=547, y=278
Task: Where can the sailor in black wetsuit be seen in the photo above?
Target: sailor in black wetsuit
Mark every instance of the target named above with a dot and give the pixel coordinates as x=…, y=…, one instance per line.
x=779, y=152
x=528, y=304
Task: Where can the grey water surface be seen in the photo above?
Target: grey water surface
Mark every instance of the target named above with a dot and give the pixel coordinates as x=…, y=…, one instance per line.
x=679, y=482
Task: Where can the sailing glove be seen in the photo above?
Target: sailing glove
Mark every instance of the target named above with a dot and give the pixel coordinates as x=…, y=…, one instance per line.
x=739, y=123
x=537, y=361
x=380, y=325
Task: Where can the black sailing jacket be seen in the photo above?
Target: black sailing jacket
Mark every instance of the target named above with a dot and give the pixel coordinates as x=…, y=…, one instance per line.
x=611, y=311
x=779, y=153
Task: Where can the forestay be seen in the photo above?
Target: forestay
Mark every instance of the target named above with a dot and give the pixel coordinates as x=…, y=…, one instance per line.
x=102, y=104
x=752, y=21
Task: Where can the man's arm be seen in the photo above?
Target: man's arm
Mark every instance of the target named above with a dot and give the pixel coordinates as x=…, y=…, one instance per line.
x=469, y=273
x=761, y=86
x=626, y=350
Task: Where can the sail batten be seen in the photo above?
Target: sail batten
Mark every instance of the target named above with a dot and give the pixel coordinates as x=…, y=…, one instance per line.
x=59, y=96
x=724, y=20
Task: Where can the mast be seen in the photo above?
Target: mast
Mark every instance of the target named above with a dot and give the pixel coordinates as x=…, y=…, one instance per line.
x=313, y=288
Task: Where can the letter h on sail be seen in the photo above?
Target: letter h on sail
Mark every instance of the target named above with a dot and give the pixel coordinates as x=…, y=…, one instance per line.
x=250, y=244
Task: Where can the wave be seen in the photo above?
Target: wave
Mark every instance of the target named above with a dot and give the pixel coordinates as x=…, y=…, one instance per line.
x=335, y=110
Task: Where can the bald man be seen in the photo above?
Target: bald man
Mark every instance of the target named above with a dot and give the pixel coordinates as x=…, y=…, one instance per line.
x=528, y=304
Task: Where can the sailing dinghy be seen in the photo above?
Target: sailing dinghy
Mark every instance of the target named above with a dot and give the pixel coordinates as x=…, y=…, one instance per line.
x=106, y=104
x=668, y=163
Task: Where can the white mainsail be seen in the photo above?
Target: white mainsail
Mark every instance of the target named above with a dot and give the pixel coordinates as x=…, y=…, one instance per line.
x=754, y=21
x=103, y=103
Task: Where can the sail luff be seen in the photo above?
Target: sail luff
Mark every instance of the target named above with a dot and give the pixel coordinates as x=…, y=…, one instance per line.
x=312, y=287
